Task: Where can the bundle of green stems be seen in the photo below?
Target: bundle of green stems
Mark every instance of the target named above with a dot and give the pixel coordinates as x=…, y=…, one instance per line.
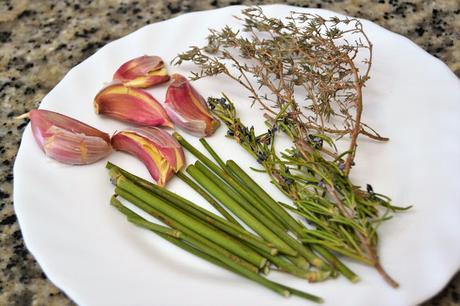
x=275, y=240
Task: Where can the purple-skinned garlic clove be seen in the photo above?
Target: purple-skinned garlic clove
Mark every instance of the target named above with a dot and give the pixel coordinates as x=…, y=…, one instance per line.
x=142, y=72
x=188, y=109
x=157, y=149
x=68, y=140
x=130, y=105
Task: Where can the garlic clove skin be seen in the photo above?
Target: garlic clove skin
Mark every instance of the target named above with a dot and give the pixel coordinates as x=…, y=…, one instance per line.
x=142, y=72
x=165, y=143
x=158, y=150
x=130, y=105
x=188, y=109
x=68, y=140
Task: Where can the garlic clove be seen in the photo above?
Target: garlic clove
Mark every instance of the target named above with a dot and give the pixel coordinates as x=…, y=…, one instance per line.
x=142, y=72
x=68, y=140
x=131, y=105
x=158, y=150
x=188, y=109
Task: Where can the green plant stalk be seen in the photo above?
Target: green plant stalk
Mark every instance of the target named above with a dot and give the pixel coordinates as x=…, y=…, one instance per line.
x=206, y=182
x=233, y=168
x=171, y=196
x=255, y=190
x=299, y=261
x=211, y=256
x=244, y=190
x=343, y=269
x=278, y=211
x=222, y=174
x=293, y=225
x=251, y=240
x=209, y=163
x=241, y=234
x=288, y=267
x=282, y=223
x=183, y=229
x=207, y=197
x=280, y=232
x=218, y=237
x=197, y=252
x=130, y=215
x=238, y=193
x=195, y=210
x=213, y=153
x=310, y=256
x=249, y=274
x=170, y=235
x=241, y=213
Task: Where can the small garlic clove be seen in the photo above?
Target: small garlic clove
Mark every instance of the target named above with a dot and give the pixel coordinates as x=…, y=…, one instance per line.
x=131, y=105
x=165, y=143
x=142, y=72
x=158, y=150
x=188, y=109
x=68, y=140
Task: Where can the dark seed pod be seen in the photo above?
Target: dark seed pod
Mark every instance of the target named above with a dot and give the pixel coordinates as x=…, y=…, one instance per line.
x=370, y=190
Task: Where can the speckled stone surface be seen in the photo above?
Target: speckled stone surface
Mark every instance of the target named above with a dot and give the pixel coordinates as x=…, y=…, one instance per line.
x=41, y=40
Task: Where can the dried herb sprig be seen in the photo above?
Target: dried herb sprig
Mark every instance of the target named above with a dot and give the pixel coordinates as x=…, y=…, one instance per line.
x=306, y=54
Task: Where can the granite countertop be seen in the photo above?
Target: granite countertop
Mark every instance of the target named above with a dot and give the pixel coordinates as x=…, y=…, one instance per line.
x=42, y=40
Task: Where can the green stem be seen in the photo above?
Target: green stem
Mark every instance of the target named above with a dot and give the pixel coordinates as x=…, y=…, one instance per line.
x=207, y=197
x=179, y=243
x=237, y=193
x=299, y=261
x=201, y=249
x=244, y=190
x=277, y=210
x=135, y=218
x=239, y=211
x=308, y=254
x=251, y=275
x=343, y=269
x=279, y=233
x=182, y=228
x=241, y=193
x=172, y=197
x=196, y=153
x=287, y=266
x=210, y=251
x=199, y=212
x=213, y=153
x=218, y=237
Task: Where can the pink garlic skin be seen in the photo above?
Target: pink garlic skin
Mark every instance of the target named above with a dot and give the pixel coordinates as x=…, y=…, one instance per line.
x=142, y=72
x=188, y=109
x=157, y=149
x=130, y=105
x=68, y=140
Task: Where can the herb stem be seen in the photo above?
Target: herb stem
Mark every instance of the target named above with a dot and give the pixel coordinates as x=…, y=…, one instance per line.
x=207, y=197
x=191, y=208
x=238, y=193
x=202, y=250
x=217, y=237
x=265, y=197
x=239, y=211
x=213, y=153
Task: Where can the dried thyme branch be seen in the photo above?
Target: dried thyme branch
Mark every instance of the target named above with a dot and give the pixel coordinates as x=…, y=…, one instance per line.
x=320, y=58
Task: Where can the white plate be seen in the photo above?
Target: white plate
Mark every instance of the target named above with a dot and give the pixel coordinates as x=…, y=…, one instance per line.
x=92, y=253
